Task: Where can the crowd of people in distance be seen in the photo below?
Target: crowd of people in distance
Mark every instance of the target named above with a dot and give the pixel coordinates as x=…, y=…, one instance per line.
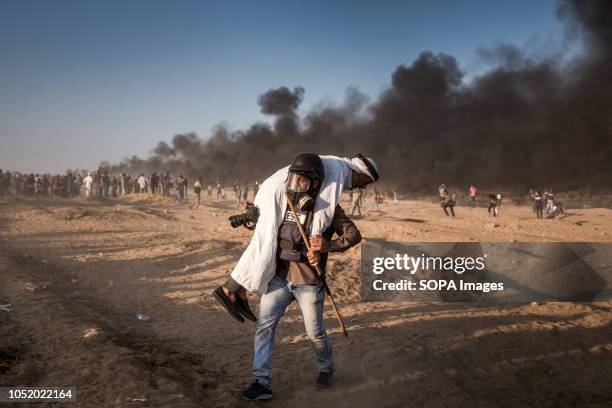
x=104, y=184
x=16, y=183
x=540, y=202
x=545, y=202
x=357, y=198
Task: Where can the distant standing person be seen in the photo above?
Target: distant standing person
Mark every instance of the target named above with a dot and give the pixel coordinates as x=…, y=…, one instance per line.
x=154, y=181
x=69, y=184
x=538, y=204
x=123, y=183
x=472, y=193
x=209, y=191
x=114, y=186
x=88, y=182
x=181, y=190
x=186, y=189
x=245, y=191
x=492, y=210
x=197, y=190
x=498, y=204
x=376, y=200
x=142, y=183
x=105, y=183
x=358, y=199
x=238, y=192
x=167, y=183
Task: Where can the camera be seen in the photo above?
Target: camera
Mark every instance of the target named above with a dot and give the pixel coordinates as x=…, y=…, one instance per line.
x=248, y=218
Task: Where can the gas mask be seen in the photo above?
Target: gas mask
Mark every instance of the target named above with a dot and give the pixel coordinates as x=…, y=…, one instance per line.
x=301, y=191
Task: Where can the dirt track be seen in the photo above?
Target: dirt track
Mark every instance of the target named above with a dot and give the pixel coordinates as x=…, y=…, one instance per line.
x=78, y=271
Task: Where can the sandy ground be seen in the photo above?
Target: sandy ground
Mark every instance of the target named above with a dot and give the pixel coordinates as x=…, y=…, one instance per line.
x=78, y=271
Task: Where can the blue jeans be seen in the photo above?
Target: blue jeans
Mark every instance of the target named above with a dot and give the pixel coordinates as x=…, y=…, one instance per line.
x=272, y=307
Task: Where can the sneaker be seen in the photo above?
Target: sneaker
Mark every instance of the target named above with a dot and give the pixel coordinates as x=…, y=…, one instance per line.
x=324, y=380
x=243, y=306
x=257, y=391
x=230, y=306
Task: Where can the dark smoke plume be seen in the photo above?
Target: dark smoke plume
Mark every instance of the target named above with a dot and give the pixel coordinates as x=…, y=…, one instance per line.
x=281, y=101
x=530, y=121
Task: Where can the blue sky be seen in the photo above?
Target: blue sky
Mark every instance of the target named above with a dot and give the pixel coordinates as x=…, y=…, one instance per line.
x=84, y=81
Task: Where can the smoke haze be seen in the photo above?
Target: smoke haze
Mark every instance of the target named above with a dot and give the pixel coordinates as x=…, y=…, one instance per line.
x=529, y=121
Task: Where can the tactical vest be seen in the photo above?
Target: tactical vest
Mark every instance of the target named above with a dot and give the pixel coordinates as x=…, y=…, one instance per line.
x=291, y=246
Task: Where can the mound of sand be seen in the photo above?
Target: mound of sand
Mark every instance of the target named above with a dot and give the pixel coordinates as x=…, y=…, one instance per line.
x=149, y=200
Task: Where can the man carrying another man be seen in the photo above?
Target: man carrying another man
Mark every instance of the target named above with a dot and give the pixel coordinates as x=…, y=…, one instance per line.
x=291, y=274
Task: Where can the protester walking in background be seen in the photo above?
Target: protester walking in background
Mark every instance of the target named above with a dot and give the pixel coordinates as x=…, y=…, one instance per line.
x=472, y=194
x=197, y=189
x=447, y=200
x=358, y=200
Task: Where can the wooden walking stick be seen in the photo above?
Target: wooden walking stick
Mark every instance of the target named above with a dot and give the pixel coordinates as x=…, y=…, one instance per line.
x=317, y=267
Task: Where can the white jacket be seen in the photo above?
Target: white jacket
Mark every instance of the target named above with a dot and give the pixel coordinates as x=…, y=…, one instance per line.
x=88, y=181
x=257, y=265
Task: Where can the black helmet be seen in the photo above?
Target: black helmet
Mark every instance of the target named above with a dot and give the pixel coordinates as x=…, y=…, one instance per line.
x=309, y=164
